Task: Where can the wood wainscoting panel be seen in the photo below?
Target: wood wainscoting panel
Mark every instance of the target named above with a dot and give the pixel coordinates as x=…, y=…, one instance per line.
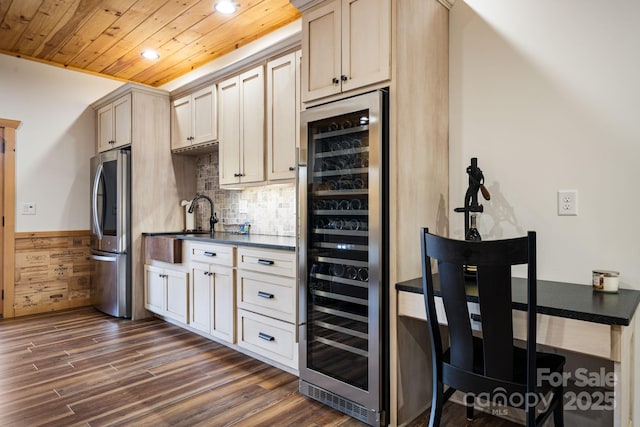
x=51, y=271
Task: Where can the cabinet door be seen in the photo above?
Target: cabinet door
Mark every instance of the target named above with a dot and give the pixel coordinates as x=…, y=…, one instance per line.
x=321, y=51
x=181, y=123
x=366, y=41
x=282, y=112
x=177, y=292
x=223, y=321
x=252, y=156
x=229, y=131
x=105, y=127
x=205, y=128
x=122, y=121
x=154, y=289
x=201, y=297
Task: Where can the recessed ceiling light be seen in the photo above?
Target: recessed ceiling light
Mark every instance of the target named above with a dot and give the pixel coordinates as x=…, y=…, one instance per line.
x=150, y=54
x=226, y=7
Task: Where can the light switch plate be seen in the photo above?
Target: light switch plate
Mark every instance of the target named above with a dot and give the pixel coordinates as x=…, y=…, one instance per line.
x=28, y=208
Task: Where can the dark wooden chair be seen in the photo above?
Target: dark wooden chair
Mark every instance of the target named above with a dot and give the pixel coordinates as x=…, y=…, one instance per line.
x=491, y=365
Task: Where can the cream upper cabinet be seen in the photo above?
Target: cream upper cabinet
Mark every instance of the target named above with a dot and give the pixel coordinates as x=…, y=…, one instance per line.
x=242, y=141
x=194, y=119
x=114, y=124
x=229, y=145
x=283, y=116
x=346, y=44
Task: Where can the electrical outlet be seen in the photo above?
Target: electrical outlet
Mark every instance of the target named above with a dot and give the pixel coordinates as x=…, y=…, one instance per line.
x=568, y=202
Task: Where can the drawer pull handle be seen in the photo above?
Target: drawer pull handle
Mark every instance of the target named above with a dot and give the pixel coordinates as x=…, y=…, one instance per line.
x=265, y=262
x=265, y=336
x=210, y=254
x=265, y=294
x=476, y=317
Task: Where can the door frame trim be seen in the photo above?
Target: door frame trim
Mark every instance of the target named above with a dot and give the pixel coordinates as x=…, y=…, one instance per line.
x=8, y=195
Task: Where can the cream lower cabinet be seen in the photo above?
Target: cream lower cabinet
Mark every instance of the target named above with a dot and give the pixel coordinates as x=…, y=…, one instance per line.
x=212, y=300
x=267, y=304
x=166, y=292
x=212, y=289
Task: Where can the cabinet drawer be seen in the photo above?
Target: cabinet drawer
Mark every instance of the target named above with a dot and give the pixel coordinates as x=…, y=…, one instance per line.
x=268, y=337
x=266, y=294
x=213, y=254
x=282, y=263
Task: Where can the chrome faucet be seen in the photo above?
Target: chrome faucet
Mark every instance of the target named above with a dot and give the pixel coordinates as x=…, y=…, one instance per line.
x=213, y=219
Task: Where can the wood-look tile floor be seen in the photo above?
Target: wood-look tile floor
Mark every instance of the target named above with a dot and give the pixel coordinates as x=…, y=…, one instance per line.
x=83, y=368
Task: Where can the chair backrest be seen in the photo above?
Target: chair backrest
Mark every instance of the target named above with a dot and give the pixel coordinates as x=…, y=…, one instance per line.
x=493, y=260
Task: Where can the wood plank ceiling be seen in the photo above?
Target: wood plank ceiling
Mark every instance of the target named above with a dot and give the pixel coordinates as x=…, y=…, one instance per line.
x=107, y=36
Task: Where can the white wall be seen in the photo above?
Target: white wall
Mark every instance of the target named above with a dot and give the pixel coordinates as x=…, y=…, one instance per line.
x=292, y=29
x=547, y=95
x=56, y=138
x=54, y=142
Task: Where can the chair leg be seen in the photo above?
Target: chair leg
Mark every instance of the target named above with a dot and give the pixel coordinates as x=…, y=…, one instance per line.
x=437, y=400
x=558, y=412
x=469, y=400
x=530, y=416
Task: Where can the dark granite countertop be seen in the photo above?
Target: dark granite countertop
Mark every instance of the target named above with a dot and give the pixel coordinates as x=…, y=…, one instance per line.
x=570, y=300
x=255, y=240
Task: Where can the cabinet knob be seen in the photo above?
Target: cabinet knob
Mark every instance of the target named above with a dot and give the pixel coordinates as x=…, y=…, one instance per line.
x=335, y=81
x=344, y=78
x=237, y=175
x=292, y=168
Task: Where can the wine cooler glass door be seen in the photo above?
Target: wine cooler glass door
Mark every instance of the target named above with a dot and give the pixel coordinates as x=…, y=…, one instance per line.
x=341, y=250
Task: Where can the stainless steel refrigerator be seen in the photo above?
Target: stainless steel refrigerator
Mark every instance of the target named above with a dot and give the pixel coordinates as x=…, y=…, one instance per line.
x=343, y=273
x=110, y=233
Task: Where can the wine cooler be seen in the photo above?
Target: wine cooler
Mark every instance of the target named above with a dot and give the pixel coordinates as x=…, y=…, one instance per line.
x=343, y=344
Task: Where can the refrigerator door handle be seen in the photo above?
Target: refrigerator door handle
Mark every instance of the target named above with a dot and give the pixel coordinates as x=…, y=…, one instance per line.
x=104, y=258
x=94, y=204
x=302, y=242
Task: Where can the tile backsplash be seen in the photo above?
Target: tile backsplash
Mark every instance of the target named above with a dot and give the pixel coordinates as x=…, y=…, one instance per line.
x=271, y=209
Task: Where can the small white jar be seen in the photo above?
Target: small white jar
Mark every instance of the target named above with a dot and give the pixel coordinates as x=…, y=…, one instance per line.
x=605, y=280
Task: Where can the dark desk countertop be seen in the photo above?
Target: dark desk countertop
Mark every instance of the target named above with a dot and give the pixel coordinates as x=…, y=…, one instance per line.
x=255, y=240
x=560, y=299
